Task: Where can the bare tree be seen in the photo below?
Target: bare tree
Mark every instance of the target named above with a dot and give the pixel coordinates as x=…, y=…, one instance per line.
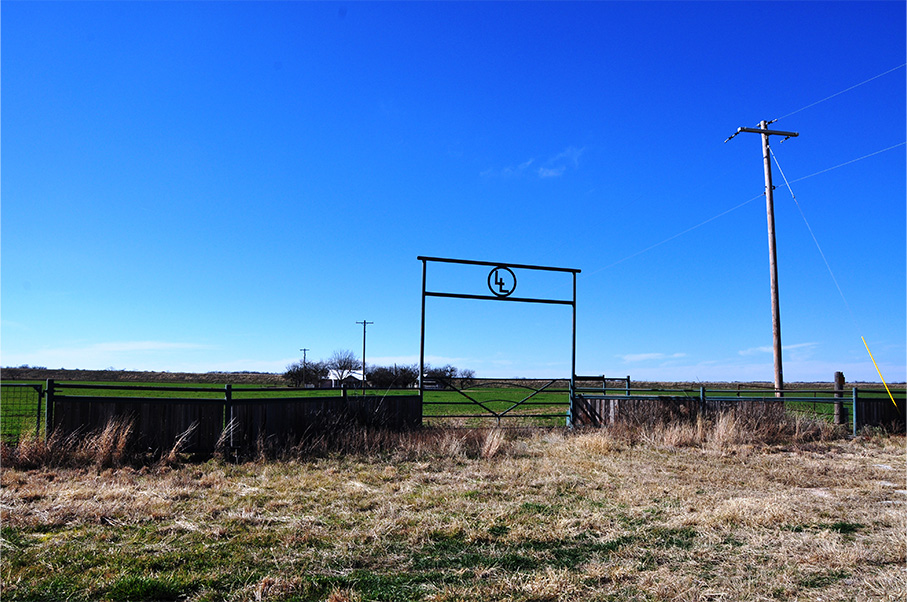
x=387, y=377
x=450, y=375
x=342, y=363
x=309, y=373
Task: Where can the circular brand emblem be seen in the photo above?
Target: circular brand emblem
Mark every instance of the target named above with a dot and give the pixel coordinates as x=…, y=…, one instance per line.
x=501, y=281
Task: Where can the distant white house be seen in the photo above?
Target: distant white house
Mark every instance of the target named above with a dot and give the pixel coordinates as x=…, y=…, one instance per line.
x=334, y=381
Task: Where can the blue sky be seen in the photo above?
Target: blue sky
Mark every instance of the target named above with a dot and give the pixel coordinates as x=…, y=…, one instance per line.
x=213, y=186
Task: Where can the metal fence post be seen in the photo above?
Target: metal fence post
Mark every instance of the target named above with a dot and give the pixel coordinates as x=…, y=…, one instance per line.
x=854, y=411
x=572, y=394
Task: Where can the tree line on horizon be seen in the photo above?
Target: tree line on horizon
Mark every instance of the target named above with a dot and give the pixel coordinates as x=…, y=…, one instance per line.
x=343, y=363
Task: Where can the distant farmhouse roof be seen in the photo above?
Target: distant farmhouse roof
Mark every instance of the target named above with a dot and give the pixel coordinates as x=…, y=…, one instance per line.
x=334, y=376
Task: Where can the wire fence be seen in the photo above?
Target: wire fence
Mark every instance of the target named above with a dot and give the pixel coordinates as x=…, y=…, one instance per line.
x=23, y=412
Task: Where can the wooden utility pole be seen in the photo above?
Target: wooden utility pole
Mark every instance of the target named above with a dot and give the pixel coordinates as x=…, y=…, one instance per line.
x=364, y=324
x=773, y=255
x=303, y=365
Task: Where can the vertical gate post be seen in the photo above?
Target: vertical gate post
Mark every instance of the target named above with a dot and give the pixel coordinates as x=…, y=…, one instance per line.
x=422, y=343
x=48, y=407
x=573, y=339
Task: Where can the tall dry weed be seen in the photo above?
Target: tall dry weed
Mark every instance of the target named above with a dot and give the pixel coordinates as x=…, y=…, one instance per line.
x=180, y=444
x=726, y=431
x=223, y=447
x=492, y=443
x=109, y=447
x=30, y=452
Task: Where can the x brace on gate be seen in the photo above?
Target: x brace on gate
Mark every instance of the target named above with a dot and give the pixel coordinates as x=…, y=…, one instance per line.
x=502, y=284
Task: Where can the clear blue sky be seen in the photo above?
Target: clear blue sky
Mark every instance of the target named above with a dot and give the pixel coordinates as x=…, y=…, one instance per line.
x=213, y=186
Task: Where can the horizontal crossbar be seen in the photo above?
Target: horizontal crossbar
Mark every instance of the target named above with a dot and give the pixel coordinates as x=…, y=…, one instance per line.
x=521, y=266
x=493, y=298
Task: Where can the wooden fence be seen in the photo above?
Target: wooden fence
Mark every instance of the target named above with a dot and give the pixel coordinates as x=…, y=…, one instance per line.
x=160, y=415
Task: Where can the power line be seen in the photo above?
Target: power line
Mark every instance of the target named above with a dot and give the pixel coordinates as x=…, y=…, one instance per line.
x=679, y=234
x=723, y=213
x=842, y=91
x=847, y=162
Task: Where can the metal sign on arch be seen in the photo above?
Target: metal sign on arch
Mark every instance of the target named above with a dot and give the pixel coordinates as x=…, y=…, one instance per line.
x=503, y=285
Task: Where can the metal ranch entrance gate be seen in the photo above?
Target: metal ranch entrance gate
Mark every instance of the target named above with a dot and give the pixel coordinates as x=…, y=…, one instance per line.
x=501, y=282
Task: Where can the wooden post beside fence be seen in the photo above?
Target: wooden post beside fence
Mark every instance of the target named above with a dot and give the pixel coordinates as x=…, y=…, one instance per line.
x=839, y=395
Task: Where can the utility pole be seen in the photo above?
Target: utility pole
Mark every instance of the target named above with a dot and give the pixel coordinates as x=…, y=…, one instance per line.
x=773, y=256
x=303, y=366
x=364, y=324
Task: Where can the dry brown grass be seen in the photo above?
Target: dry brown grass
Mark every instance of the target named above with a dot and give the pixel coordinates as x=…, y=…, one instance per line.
x=105, y=448
x=693, y=513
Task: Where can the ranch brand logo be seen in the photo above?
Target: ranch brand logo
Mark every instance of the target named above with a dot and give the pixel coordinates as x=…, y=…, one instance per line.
x=502, y=281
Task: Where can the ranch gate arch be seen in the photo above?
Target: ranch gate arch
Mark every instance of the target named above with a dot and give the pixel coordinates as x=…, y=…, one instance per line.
x=502, y=283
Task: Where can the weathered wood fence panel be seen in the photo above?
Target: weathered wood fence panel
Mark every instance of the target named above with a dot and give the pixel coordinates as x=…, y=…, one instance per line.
x=158, y=422
x=601, y=411
x=395, y=411
x=879, y=411
x=649, y=409
x=281, y=420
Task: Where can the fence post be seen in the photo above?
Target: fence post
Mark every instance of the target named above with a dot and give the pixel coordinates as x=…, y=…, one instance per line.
x=839, y=394
x=228, y=411
x=571, y=386
x=48, y=407
x=702, y=405
x=854, y=411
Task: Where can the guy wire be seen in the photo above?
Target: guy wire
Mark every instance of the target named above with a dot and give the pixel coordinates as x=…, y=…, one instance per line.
x=832, y=274
x=815, y=240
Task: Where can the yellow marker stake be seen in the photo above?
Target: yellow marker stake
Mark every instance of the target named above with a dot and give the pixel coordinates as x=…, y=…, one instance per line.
x=880, y=373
